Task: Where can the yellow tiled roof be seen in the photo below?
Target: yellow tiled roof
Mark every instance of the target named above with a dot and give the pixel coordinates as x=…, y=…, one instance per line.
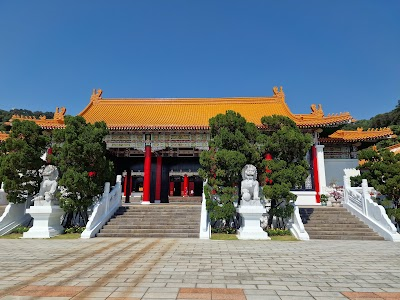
x=362, y=135
x=194, y=113
x=3, y=136
x=56, y=122
x=394, y=148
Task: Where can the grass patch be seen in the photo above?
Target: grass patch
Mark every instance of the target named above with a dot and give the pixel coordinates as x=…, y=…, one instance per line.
x=67, y=236
x=223, y=236
x=287, y=238
x=11, y=236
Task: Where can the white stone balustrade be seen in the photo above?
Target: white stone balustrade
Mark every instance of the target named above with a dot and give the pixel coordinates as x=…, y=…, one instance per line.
x=296, y=225
x=205, y=226
x=360, y=204
x=104, y=209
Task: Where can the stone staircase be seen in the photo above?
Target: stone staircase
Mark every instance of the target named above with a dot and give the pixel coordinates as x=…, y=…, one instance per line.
x=335, y=223
x=154, y=220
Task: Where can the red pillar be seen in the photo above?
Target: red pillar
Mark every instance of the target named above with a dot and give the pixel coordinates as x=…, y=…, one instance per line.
x=147, y=175
x=315, y=168
x=125, y=182
x=158, y=178
x=185, y=186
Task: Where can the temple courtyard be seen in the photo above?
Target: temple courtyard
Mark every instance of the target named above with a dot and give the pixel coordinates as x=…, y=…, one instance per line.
x=128, y=268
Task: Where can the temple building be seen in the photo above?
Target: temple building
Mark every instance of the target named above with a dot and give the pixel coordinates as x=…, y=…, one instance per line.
x=156, y=143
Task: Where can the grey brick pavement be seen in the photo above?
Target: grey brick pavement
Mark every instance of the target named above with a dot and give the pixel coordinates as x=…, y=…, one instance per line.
x=106, y=268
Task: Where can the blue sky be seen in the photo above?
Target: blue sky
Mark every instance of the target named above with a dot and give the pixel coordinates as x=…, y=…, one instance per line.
x=344, y=54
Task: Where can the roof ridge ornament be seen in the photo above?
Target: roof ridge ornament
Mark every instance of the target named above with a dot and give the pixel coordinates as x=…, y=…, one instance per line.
x=278, y=93
x=96, y=95
x=317, y=111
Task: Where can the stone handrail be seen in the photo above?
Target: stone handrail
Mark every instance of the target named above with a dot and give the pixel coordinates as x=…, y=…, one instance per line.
x=296, y=225
x=361, y=205
x=104, y=209
x=205, y=226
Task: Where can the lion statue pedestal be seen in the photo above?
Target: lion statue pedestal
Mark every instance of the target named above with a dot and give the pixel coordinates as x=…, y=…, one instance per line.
x=250, y=208
x=46, y=212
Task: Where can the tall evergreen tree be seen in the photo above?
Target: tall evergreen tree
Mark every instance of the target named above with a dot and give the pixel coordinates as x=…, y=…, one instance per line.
x=79, y=152
x=232, y=146
x=20, y=161
x=288, y=169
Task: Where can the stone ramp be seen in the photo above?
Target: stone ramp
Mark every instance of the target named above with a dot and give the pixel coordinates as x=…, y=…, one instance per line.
x=335, y=223
x=154, y=220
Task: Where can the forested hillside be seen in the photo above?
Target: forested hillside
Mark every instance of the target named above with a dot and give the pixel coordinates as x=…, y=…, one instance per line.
x=5, y=115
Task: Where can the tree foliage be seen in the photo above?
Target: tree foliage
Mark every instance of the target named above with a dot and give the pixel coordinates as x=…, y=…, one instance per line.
x=235, y=143
x=232, y=145
x=80, y=154
x=20, y=161
x=289, y=168
x=381, y=169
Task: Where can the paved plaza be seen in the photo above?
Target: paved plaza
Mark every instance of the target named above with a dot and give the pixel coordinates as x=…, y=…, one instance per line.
x=118, y=268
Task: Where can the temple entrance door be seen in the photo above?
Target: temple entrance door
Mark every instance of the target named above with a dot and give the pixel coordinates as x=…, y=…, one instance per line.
x=178, y=188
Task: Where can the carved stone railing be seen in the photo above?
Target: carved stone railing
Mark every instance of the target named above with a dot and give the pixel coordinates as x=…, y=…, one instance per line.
x=360, y=204
x=296, y=226
x=104, y=209
x=205, y=226
x=14, y=215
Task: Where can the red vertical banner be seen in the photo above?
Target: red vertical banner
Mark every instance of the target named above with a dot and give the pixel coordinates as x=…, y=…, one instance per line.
x=185, y=186
x=268, y=156
x=316, y=179
x=158, y=178
x=147, y=174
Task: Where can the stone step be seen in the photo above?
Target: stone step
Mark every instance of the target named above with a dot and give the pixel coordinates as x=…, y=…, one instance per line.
x=342, y=232
x=328, y=225
x=149, y=226
x=150, y=235
x=153, y=230
x=348, y=237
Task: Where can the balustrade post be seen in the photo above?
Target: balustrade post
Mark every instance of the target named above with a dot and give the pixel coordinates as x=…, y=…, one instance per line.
x=106, y=195
x=365, y=194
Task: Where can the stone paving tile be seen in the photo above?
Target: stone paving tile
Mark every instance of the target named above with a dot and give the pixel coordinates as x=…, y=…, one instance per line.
x=117, y=267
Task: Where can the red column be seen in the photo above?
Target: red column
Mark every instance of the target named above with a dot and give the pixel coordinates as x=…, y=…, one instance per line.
x=147, y=175
x=125, y=181
x=131, y=184
x=316, y=180
x=185, y=186
x=158, y=178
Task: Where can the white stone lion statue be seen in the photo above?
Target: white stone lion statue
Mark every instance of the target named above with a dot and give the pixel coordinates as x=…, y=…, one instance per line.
x=48, y=187
x=250, y=187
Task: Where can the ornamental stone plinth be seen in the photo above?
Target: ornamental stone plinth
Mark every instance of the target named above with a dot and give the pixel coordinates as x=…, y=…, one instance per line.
x=46, y=222
x=250, y=228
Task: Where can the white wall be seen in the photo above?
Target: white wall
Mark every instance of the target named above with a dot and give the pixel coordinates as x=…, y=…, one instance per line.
x=334, y=169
